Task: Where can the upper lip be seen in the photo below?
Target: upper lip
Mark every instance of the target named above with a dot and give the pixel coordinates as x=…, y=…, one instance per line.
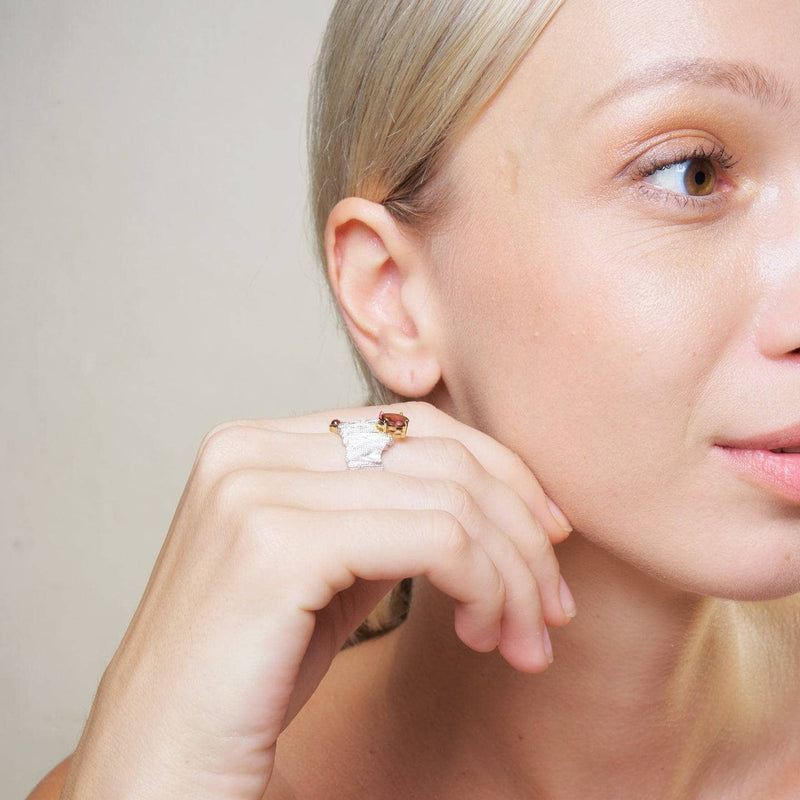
x=788, y=437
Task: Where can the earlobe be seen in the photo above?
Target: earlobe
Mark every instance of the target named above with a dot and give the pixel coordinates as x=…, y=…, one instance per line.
x=379, y=278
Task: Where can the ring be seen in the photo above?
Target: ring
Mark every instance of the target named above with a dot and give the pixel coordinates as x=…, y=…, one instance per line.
x=366, y=439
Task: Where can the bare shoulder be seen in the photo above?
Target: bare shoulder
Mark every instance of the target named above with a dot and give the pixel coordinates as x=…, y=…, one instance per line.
x=49, y=788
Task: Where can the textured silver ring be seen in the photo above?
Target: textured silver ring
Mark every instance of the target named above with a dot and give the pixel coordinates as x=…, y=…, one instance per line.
x=365, y=440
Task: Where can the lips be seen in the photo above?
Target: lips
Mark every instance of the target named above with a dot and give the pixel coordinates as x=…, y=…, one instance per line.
x=787, y=439
x=770, y=460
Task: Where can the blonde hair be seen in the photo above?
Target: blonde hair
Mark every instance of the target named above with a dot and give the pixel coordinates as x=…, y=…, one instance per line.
x=396, y=82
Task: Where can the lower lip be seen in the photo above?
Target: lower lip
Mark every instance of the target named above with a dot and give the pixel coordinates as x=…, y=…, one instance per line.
x=778, y=471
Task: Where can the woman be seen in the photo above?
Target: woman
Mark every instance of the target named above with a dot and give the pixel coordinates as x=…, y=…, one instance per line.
x=584, y=255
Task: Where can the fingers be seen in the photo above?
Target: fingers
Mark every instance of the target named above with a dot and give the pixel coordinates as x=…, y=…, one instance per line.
x=333, y=500
x=439, y=459
x=517, y=544
x=443, y=467
x=366, y=544
x=427, y=420
x=239, y=446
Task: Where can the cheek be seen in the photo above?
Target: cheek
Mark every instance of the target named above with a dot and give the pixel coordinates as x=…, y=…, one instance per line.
x=576, y=333
x=586, y=350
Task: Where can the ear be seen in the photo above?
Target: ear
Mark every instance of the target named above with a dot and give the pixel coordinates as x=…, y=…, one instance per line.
x=378, y=273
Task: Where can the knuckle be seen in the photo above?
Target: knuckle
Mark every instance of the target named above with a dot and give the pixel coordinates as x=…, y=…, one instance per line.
x=494, y=589
x=540, y=546
x=544, y=567
x=510, y=553
x=221, y=442
x=457, y=500
x=498, y=588
x=453, y=539
x=464, y=463
x=265, y=538
x=453, y=456
x=231, y=490
x=214, y=432
x=527, y=597
x=222, y=449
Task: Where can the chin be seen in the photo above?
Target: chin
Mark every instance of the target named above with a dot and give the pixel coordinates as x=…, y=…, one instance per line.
x=751, y=557
x=755, y=590
x=755, y=564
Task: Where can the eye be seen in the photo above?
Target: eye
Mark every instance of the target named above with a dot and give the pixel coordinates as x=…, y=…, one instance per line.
x=687, y=178
x=696, y=177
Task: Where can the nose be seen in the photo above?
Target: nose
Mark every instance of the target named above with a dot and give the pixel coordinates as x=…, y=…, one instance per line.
x=779, y=325
x=778, y=331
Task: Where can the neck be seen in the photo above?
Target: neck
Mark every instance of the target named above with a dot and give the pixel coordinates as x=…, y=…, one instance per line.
x=648, y=686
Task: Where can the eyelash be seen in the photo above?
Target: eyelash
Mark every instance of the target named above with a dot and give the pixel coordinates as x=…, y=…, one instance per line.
x=654, y=163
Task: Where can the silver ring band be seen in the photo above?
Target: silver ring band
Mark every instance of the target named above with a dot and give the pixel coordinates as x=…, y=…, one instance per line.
x=365, y=440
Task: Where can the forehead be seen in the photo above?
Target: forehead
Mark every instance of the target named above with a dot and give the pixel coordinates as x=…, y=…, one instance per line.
x=592, y=47
x=583, y=78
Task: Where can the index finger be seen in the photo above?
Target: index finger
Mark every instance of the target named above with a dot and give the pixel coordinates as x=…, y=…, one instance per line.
x=428, y=420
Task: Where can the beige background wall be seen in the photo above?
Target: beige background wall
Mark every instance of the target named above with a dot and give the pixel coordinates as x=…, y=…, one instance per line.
x=155, y=279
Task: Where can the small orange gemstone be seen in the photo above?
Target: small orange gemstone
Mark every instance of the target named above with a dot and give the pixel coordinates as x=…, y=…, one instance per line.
x=396, y=420
x=394, y=423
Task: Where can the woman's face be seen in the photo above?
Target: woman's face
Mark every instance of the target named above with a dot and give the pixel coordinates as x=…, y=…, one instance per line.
x=617, y=328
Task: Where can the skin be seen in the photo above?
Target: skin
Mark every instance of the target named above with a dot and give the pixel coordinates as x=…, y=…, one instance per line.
x=644, y=331
x=616, y=334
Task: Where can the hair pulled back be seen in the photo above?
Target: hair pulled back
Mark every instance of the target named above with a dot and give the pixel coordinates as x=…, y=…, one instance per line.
x=395, y=83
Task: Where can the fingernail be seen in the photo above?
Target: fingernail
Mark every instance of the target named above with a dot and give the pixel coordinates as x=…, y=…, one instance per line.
x=558, y=516
x=548, y=646
x=567, y=600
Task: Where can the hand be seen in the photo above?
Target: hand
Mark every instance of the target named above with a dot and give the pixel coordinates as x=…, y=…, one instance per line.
x=275, y=555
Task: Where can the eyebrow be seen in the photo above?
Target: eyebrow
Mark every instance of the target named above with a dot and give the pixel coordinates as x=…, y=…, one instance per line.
x=741, y=77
